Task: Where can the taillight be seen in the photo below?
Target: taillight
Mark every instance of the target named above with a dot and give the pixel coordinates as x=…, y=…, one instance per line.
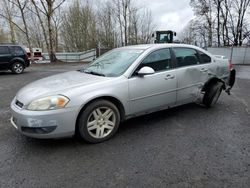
x=27, y=57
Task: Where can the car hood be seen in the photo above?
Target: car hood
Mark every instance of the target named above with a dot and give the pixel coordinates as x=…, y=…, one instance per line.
x=52, y=85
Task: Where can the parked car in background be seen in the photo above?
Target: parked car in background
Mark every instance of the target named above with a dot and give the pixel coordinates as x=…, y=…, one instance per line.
x=123, y=83
x=13, y=57
x=36, y=53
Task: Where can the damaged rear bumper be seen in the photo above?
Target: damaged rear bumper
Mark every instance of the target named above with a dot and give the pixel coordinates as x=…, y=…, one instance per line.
x=230, y=81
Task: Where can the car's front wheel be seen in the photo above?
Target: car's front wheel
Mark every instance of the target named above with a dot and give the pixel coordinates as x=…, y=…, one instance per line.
x=98, y=122
x=212, y=94
x=17, y=68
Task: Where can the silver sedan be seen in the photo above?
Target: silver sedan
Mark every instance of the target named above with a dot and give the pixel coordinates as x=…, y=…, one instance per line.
x=123, y=83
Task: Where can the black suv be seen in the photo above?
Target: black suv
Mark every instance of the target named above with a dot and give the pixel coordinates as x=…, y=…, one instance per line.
x=14, y=58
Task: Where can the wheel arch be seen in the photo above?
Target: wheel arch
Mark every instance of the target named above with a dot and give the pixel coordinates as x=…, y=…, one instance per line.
x=16, y=59
x=112, y=99
x=211, y=81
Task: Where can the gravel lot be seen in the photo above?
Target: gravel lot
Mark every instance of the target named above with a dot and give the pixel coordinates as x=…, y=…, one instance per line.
x=188, y=146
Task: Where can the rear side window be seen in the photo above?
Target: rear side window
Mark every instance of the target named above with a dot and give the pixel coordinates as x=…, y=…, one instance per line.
x=4, y=50
x=205, y=58
x=186, y=56
x=17, y=50
x=158, y=60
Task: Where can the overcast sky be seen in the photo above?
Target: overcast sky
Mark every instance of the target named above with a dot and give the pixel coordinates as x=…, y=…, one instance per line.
x=169, y=14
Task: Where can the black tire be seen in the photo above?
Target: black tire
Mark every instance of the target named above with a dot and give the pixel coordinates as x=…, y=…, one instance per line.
x=212, y=94
x=82, y=131
x=17, y=68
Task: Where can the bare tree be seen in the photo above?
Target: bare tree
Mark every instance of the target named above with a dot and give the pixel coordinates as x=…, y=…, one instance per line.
x=3, y=36
x=121, y=10
x=134, y=26
x=225, y=8
x=57, y=22
x=7, y=12
x=106, y=26
x=241, y=8
x=233, y=14
x=204, y=8
x=21, y=6
x=146, y=26
x=36, y=31
x=218, y=4
x=135, y=23
x=79, y=27
x=47, y=8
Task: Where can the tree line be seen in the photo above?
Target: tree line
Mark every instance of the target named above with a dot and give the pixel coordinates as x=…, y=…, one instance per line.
x=59, y=25
x=218, y=23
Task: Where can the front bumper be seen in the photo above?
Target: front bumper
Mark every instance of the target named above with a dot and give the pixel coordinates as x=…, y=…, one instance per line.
x=44, y=124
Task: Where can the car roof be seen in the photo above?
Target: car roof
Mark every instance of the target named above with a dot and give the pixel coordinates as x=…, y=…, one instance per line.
x=165, y=45
x=147, y=46
x=9, y=44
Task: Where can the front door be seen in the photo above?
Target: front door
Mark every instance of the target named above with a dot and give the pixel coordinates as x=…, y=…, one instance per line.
x=5, y=57
x=155, y=91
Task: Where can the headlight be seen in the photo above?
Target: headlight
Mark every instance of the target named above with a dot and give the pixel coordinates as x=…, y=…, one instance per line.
x=48, y=103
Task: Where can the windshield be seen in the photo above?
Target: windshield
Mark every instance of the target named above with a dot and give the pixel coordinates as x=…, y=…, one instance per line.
x=113, y=63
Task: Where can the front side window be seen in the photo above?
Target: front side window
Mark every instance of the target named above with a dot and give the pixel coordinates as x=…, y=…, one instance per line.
x=186, y=56
x=4, y=50
x=158, y=60
x=113, y=63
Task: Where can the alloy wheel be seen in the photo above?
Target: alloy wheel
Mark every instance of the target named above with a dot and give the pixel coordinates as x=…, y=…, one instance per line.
x=18, y=68
x=101, y=122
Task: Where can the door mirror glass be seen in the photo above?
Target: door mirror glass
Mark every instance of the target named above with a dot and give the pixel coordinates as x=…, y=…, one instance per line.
x=145, y=71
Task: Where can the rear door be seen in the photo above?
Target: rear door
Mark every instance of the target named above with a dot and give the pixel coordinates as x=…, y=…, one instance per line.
x=154, y=91
x=191, y=74
x=5, y=57
x=18, y=51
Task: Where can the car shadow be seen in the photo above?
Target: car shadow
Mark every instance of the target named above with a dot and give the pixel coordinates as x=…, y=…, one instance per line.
x=157, y=117
x=62, y=142
x=4, y=73
x=137, y=124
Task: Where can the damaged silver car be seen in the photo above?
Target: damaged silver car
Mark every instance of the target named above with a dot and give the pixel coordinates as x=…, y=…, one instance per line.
x=123, y=83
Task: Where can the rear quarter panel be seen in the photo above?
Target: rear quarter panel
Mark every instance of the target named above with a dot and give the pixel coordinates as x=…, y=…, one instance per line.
x=220, y=68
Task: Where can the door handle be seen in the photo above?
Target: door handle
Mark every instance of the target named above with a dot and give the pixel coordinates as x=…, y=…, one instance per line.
x=203, y=70
x=169, y=76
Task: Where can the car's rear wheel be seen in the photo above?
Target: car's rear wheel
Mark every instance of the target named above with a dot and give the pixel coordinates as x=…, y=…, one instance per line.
x=17, y=68
x=98, y=122
x=212, y=94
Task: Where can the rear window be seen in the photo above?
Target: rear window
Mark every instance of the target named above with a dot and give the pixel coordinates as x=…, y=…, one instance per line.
x=205, y=58
x=17, y=50
x=4, y=50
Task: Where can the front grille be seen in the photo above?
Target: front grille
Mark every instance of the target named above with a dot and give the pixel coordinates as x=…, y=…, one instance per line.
x=19, y=104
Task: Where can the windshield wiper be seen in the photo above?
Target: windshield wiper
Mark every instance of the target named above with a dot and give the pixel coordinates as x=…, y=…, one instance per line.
x=92, y=72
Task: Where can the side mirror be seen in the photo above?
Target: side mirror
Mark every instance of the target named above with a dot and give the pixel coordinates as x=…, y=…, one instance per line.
x=145, y=71
x=153, y=35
